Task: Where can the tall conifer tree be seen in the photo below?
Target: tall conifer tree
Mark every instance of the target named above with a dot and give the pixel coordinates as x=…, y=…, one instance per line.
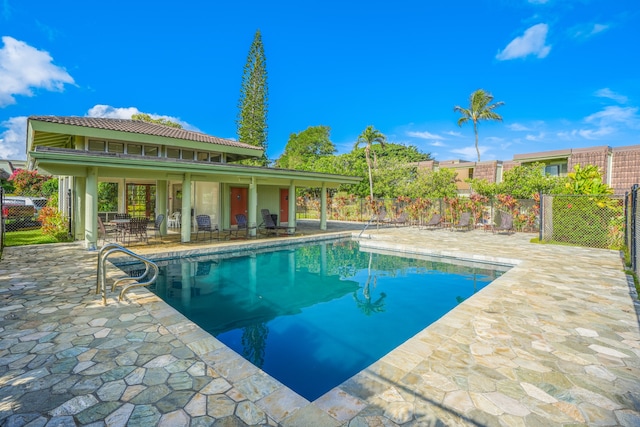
x=252, y=114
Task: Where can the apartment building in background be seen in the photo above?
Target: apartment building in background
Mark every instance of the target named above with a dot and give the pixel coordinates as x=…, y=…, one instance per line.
x=620, y=166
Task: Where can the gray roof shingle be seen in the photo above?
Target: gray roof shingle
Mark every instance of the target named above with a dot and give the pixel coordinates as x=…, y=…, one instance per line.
x=140, y=127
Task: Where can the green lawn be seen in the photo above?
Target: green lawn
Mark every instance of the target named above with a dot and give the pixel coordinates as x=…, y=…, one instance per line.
x=27, y=237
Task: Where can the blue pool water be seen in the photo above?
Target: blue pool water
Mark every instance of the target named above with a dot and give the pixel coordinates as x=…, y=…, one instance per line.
x=313, y=316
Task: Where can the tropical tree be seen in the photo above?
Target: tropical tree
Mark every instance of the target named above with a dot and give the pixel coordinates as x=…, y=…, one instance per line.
x=305, y=147
x=252, y=106
x=480, y=108
x=369, y=137
x=161, y=121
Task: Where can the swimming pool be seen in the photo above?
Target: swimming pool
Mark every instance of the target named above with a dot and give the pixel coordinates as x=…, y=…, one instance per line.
x=312, y=316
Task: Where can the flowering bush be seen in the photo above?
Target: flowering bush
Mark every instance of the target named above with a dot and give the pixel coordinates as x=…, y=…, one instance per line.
x=53, y=224
x=25, y=181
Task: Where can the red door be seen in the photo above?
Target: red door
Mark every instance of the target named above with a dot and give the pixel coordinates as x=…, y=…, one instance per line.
x=239, y=202
x=284, y=205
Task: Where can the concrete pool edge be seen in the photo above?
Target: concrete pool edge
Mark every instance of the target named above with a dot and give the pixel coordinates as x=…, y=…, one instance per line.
x=281, y=402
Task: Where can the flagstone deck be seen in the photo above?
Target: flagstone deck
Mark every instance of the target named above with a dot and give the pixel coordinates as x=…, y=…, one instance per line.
x=554, y=341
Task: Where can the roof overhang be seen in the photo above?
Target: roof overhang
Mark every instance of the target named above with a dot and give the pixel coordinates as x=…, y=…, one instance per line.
x=68, y=162
x=60, y=135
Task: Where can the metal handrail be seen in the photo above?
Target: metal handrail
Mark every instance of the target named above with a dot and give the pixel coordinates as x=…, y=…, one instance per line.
x=104, y=253
x=375, y=218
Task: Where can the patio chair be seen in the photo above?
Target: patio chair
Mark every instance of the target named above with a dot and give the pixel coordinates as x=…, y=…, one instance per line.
x=104, y=231
x=506, y=224
x=136, y=227
x=174, y=220
x=464, y=223
x=268, y=224
x=204, y=225
x=156, y=225
x=242, y=226
x=434, y=222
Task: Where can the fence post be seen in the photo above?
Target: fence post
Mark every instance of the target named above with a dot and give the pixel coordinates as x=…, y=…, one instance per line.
x=633, y=248
x=541, y=217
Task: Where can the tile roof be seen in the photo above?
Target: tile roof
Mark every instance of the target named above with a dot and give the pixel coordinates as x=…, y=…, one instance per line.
x=140, y=127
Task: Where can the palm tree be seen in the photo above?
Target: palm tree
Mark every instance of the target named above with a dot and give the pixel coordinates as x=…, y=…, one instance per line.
x=369, y=137
x=480, y=108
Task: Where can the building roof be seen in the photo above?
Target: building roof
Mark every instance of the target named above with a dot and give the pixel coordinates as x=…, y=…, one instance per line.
x=142, y=128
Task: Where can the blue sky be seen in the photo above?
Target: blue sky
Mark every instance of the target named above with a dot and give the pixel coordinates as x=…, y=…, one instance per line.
x=568, y=71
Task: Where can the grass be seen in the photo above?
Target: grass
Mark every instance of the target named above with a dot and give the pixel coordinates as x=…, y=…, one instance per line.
x=27, y=237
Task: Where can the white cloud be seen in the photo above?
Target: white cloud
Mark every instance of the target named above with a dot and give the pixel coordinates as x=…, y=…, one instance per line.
x=517, y=127
x=424, y=135
x=595, y=133
x=453, y=133
x=532, y=42
x=538, y=137
x=438, y=144
x=615, y=115
x=468, y=153
x=608, y=93
x=588, y=30
x=13, y=140
x=23, y=68
x=110, y=112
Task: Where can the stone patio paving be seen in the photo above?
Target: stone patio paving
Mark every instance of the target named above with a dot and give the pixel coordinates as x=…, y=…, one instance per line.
x=554, y=341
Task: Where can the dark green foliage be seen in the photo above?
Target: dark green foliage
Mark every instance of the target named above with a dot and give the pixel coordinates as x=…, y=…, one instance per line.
x=147, y=118
x=304, y=148
x=107, y=197
x=252, y=106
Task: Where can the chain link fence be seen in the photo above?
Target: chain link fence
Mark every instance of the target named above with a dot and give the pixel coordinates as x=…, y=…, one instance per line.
x=35, y=213
x=418, y=211
x=632, y=235
x=591, y=221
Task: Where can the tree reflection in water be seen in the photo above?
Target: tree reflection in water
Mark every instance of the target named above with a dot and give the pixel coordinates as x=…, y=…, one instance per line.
x=367, y=306
x=254, y=342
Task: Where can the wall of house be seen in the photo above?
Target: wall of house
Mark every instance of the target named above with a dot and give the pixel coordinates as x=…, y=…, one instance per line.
x=597, y=156
x=486, y=170
x=625, y=168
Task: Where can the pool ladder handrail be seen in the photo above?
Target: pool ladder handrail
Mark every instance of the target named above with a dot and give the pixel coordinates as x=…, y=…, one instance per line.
x=368, y=223
x=104, y=253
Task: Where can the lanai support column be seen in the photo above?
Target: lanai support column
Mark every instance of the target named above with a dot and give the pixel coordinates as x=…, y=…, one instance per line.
x=185, y=218
x=79, y=185
x=292, y=207
x=91, y=209
x=323, y=207
x=161, y=201
x=252, y=215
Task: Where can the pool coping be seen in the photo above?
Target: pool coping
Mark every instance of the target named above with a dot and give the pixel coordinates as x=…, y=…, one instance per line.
x=281, y=402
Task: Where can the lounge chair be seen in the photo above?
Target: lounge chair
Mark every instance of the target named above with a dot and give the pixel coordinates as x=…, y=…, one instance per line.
x=204, y=225
x=269, y=226
x=402, y=219
x=434, y=222
x=464, y=223
x=506, y=224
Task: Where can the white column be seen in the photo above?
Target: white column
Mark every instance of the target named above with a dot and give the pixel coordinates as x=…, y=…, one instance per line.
x=323, y=207
x=185, y=218
x=253, y=207
x=91, y=209
x=292, y=207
